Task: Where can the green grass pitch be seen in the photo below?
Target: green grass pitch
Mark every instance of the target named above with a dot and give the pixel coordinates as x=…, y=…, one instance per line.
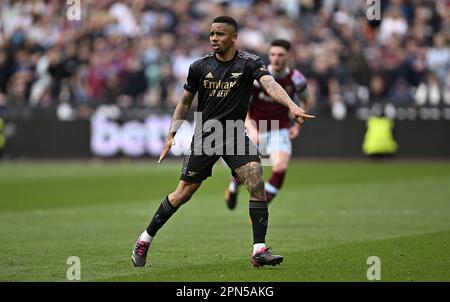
x=327, y=220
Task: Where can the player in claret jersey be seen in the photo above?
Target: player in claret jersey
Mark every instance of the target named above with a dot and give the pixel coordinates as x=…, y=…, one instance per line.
x=223, y=81
x=273, y=139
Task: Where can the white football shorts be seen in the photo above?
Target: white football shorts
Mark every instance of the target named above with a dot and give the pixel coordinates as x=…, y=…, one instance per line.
x=276, y=140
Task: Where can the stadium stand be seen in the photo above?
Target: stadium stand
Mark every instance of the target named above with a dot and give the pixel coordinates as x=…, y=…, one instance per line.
x=137, y=53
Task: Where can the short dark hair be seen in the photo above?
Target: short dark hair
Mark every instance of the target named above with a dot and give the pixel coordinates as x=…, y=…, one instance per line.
x=227, y=20
x=282, y=43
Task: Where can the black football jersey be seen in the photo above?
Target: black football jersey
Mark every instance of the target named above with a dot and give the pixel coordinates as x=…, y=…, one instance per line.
x=224, y=88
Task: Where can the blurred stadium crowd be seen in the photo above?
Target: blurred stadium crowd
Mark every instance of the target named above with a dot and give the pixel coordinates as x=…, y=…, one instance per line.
x=137, y=53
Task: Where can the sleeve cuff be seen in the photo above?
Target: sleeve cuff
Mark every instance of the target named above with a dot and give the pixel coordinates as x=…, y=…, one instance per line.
x=260, y=75
x=188, y=88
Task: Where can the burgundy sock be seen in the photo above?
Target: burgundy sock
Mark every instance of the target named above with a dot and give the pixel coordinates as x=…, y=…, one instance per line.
x=275, y=180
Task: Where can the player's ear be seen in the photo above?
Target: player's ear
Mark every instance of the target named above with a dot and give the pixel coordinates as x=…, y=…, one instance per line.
x=234, y=36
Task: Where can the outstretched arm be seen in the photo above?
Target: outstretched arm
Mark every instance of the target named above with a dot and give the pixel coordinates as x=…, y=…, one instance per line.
x=280, y=96
x=179, y=115
x=304, y=101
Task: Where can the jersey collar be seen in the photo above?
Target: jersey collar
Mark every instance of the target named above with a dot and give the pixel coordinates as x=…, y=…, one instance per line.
x=280, y=75
x=226, y=62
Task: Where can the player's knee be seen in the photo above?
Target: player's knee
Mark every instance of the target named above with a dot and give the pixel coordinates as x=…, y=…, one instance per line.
x=178, y=198
x=280, y=167
x=173, y=198
x=256, y=186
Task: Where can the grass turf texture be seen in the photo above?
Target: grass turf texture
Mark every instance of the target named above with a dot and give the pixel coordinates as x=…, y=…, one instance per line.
x=327, y=220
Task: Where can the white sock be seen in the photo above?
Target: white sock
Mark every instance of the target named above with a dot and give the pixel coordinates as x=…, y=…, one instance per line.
x=232, y=187
x=270, y=188
x=257, y=247
x=145, y=237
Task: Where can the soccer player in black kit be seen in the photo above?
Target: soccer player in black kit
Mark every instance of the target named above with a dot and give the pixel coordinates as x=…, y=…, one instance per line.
x=223, y=80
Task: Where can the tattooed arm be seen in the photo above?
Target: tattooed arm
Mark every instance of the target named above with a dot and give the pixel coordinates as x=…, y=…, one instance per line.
x=178, y=117
x=280, y=96
x=304, y=101
x=181, y=111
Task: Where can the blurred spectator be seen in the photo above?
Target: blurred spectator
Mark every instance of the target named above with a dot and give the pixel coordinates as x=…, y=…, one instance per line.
x=137, y=53
x=432, y=92
x=377, y=89
x=5, y=73
x=400, y=94
x=438, y=58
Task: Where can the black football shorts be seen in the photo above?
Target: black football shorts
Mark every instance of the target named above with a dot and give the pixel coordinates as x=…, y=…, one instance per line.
x=197, y=167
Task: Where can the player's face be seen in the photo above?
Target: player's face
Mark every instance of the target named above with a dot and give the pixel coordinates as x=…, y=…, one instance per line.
x=222, y=37
x=278, y=57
